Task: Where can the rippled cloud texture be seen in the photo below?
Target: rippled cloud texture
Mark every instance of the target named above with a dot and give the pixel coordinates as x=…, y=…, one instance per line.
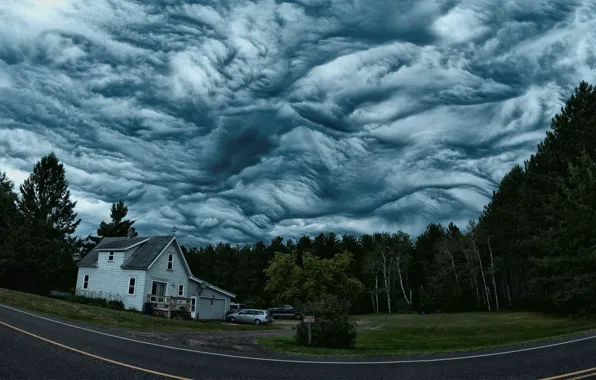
x=242, y=120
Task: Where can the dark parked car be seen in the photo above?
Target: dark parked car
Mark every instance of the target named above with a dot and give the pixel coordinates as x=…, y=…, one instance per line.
x=285, y=311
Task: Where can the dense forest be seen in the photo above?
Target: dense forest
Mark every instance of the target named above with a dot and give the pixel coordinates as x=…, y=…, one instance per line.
x=532, y=248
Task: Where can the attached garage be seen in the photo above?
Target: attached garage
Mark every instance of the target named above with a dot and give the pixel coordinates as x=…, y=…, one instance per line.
x=208, y=301
x=212, y=308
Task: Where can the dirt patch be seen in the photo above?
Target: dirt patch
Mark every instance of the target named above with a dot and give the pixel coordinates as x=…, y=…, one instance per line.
x=239, y=341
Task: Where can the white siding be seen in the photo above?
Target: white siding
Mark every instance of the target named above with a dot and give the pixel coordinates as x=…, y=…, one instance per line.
x=206, y=294
x=213, y=293
x=102, y=258
x=193, y=288
x=177, y=276
x=111, y=282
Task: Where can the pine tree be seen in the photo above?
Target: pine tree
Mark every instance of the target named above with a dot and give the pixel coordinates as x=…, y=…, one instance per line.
x=119, y=226
x=45, y=197
x=49, y=216
x=9, y=230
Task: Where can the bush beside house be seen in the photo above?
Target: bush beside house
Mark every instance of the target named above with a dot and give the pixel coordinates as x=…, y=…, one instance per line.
x=100, y=302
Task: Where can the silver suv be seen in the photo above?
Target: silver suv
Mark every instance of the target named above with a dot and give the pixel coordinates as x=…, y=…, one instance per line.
x=256, y=317
x=235, y=307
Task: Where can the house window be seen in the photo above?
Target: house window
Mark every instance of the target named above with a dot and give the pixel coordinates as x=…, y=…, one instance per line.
x=180, y=290
x=111, y=256
x=170, y=262
x=86, y=282
x=131, y=286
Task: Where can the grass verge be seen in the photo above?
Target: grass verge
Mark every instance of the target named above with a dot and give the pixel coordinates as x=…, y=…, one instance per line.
x=107, y=317
x=384, y=334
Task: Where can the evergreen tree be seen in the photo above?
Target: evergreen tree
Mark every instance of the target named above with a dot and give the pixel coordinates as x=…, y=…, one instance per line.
x=119, y=226
x=48, y=214
x=9, y=230
x=45, y=197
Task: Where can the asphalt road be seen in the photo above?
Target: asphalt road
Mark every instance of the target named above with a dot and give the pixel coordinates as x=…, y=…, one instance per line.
x=59, y=351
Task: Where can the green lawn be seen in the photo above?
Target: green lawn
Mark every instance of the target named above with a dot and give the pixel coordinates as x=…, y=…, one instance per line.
x=384, y=334
x=107, y=317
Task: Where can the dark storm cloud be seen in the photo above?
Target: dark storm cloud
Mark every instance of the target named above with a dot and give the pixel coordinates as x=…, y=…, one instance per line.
x=241, y=120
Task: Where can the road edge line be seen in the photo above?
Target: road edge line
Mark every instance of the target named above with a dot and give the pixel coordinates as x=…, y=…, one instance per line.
x=296, y=361
x=93, y=355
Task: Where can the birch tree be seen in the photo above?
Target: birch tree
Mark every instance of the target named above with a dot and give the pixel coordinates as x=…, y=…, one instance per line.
x=474, y=246
x=401, y=253
x=372, y=267
x=383, y=241
x=472, y=273
x=492, y=263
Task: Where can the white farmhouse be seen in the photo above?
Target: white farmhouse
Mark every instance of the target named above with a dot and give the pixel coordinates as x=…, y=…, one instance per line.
x=137, y=270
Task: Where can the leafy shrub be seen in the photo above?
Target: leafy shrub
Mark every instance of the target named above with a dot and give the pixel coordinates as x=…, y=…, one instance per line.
x=332, y=330
x=116, y=305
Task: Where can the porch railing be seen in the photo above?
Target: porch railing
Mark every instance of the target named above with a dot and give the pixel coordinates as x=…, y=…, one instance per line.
x=169, y=304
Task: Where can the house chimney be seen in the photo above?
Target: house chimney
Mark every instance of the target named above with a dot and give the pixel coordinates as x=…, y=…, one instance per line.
x=131, y=232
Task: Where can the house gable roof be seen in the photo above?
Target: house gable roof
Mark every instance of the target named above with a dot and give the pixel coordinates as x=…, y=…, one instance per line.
x=122, y=244
x=205, y=284
x=90, y=259
x=146, y=250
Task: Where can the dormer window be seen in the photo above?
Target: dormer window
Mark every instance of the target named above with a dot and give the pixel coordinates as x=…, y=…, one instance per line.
x=111, y=256
x=170, y=262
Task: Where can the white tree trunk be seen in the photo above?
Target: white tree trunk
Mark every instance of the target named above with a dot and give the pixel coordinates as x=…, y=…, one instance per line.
x=452, y=265
x=506, y=280
x=492, y=263
x=388, y=287
x=482, y=273
x=401, y=282
x=508, y=289
x=386, y=269
x=376, y=293
x=472, y=276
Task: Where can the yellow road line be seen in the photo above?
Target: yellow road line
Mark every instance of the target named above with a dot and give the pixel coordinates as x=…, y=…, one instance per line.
x=574, y=373
x=95, y=356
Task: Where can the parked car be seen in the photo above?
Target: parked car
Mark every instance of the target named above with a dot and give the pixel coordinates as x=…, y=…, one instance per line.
x=256, y=317
x=235, y=307
x=285, y=311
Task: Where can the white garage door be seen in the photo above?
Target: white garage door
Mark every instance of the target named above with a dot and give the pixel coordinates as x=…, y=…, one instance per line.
x=210, y=308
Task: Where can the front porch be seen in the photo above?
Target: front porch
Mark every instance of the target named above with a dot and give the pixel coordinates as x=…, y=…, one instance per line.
x=168, y=306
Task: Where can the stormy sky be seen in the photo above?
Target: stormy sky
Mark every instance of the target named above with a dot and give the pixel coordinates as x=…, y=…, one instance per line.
x=239, y=120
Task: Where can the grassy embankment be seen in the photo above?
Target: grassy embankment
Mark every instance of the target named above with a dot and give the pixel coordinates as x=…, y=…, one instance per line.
x=107, y=317
x=383, y=334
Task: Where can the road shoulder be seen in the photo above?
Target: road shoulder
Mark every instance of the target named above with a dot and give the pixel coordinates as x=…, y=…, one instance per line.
x=239, y=344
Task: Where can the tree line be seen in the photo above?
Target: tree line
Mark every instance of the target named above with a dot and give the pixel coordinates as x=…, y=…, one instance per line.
x=532, y=248
x=37, y=227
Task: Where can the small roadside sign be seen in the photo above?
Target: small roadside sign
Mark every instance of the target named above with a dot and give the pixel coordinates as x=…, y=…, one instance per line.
x=309, y=319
